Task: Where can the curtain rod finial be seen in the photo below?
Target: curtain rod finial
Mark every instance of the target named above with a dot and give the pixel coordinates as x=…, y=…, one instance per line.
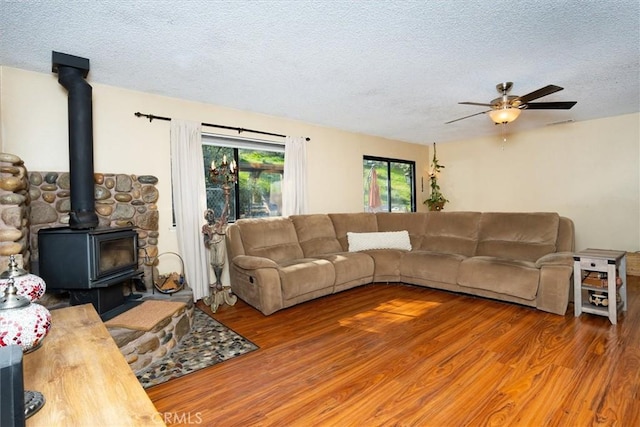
x=149, y=116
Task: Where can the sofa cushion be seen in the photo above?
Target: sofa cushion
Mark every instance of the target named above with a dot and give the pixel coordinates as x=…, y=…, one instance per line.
x=316, y=234
x=516, y=278
x=433, y=266
x=386, y=264
x=451, y=233
x=379, y=240
x=413, y=222
x=521, y=236
x=274, y=238
x=301, y=276
x=353, y=268
x=362, y=222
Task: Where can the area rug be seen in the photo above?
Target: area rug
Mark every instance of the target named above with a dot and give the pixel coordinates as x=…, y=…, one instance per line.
x=146, y=315
x=208, y=343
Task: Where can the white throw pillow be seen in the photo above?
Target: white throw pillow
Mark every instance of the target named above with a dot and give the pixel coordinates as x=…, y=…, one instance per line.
x=379, y=240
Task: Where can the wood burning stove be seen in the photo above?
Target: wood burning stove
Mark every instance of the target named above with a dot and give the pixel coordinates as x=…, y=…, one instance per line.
x=84, y=259
x=87, y=259
x=89, y=263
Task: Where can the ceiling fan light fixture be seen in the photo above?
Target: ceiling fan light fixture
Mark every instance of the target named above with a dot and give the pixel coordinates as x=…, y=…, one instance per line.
x=504, y=115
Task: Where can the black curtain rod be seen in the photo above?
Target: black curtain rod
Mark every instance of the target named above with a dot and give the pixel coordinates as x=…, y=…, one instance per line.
x=151, y=117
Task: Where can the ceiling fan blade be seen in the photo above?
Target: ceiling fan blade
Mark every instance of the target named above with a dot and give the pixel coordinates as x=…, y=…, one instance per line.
x=547, y=90
x=549, y=105
x=466, y=117
x=476, y=103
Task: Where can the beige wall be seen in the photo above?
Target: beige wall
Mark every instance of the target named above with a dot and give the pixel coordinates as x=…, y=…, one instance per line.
x=588, y=171
x=34, y=127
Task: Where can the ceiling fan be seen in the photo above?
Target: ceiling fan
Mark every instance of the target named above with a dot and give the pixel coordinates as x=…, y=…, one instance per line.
x=507, y=108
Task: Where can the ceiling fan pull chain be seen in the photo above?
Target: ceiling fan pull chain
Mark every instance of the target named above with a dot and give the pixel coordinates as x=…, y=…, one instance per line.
x=504, y=134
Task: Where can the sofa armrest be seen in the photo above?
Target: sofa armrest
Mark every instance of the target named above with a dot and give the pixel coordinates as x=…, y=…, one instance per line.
x=248, y=262
x=554, y=288
x=556, y=258
x=256, y=281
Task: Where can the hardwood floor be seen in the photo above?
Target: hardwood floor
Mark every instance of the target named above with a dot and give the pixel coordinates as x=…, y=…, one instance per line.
x=401, y=355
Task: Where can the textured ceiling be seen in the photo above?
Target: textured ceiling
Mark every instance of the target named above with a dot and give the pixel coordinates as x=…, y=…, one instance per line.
x=395, y=69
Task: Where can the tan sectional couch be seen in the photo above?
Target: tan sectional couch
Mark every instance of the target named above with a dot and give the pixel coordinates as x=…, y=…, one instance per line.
x=523, y=258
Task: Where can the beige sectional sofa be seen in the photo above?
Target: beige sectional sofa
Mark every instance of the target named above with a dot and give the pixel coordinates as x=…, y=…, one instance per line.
x=523, y=258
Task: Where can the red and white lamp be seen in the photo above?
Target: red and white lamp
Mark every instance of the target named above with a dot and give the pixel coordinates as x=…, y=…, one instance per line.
x=23, y=322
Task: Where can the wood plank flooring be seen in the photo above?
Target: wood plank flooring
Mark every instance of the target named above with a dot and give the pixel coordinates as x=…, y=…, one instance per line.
x=398, y=355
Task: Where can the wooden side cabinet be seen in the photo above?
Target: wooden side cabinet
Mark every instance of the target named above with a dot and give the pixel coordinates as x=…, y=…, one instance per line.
x=606, y=266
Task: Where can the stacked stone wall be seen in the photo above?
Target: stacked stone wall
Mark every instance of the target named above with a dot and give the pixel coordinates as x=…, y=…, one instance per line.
x=14, y=211
x=121, y=200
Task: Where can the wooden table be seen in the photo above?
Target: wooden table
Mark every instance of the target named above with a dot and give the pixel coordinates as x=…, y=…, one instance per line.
x=84, y=377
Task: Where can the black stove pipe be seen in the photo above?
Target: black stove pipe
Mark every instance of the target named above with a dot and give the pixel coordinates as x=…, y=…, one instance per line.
x=71, y=73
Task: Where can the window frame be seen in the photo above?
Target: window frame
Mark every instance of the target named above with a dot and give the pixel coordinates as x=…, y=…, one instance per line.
x=236, y=143
x=412, y=185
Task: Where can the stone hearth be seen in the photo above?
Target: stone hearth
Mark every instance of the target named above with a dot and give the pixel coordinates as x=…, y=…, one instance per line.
x=141, y=348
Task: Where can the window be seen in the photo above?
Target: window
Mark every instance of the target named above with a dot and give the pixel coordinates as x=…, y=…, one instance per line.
x=389, y=185
x=260, y=168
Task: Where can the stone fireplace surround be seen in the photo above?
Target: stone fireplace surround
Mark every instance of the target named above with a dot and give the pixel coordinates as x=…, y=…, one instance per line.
x=121, y=200
x=14, y=211
x=30, y=201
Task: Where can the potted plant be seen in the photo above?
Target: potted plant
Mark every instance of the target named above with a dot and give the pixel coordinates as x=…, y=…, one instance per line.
x=436, y=199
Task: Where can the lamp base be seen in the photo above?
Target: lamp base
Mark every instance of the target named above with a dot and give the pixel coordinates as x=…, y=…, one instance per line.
x=33, y=402
x=220, y=295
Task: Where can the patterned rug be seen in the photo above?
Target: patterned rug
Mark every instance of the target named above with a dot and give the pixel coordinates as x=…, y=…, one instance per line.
x=208, y=343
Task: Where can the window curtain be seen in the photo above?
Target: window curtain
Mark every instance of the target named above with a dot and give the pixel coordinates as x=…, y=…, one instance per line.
x=189, y=202
x=294, y=181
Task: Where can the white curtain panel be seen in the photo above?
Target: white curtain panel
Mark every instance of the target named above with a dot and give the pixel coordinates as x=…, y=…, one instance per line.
x=294, y=182
x=189, y=202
